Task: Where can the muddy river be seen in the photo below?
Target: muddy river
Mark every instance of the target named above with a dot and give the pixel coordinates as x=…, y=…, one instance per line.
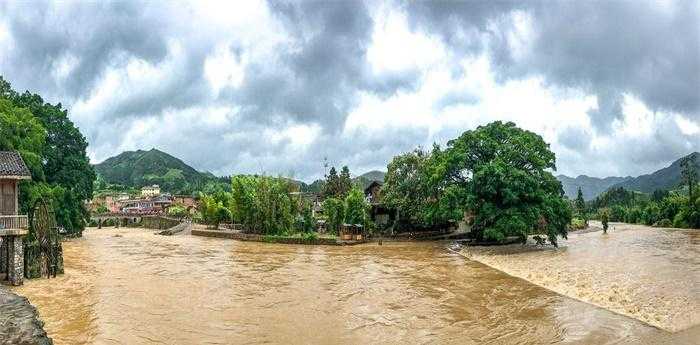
x=129, y=286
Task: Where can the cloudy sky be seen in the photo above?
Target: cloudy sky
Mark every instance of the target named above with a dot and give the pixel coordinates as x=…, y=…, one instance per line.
x=274, y=87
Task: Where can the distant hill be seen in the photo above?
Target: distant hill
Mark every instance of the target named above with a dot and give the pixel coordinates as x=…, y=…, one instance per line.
x=367, y=178
x=140, y=168
x=591, y=187
x=666, y=179
x=363, y=181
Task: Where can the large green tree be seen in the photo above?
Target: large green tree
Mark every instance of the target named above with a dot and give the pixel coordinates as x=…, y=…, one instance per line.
x=504, y=174
x=337, y=186
x=410, y=190
x=263, y=204
x=55, y=151
x=689, y=174
x=580, y=205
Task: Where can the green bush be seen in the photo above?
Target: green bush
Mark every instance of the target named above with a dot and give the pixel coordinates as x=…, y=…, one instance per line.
x=578, y=223
x=664, y=223
x=334, y=210
x=679, y=221
x=309, y=236
x=177, y=211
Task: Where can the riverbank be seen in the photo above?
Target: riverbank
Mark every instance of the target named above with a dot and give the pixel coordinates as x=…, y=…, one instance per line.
x=646, y=273
x=325, y=241
x=19, y=321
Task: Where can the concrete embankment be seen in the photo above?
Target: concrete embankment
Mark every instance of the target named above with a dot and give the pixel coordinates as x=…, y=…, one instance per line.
x=19, y=321
x=272, y=239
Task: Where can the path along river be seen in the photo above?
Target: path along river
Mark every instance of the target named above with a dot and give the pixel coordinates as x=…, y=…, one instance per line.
x=129, y=286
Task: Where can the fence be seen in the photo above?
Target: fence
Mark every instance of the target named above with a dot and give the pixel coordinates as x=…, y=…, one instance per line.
x=14, y=222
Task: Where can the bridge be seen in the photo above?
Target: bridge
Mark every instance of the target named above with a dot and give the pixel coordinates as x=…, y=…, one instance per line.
x=120, y=218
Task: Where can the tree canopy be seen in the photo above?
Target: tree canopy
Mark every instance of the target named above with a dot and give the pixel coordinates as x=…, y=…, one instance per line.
x=497, y=173
x=55, y=151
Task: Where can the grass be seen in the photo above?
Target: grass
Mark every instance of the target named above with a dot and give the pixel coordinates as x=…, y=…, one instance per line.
x=304, y=236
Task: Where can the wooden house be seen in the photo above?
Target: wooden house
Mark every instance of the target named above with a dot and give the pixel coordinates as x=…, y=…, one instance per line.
x=13, y=226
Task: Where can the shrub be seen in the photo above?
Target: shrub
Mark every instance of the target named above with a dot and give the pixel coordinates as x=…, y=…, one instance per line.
x=679, y=220
x=309, y=236
x=578, y=223
x=177, y=211
x=664, y=223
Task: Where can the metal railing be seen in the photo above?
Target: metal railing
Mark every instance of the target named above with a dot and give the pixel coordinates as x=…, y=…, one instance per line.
x=14, y=222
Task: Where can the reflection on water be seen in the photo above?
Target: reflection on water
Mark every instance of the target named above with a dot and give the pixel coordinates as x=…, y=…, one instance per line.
x=146, y=289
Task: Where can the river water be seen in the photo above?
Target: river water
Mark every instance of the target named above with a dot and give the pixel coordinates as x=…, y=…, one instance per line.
x=130, y=286
x=647, y=273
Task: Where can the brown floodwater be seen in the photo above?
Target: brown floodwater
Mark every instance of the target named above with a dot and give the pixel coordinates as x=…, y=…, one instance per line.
x=130, y=286
x=650, y=274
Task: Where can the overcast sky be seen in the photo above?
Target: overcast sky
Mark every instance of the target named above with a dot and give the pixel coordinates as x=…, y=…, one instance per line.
x=249, y=87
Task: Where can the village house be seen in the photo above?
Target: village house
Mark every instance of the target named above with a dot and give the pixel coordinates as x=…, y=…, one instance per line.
x=13, y=226
x=150, y=191
x=380, y=214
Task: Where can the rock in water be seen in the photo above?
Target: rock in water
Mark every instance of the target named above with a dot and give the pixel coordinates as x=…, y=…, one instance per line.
x=19, y=321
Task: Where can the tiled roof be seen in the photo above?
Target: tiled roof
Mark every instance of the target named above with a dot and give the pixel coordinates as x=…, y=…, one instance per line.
x=11, y=164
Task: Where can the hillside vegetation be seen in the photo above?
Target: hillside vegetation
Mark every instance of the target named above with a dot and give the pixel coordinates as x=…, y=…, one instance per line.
x=135, y=169
x=668, y=178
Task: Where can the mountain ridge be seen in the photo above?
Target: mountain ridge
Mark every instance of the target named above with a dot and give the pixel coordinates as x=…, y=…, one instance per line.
x=665, y=179
x=146, y=167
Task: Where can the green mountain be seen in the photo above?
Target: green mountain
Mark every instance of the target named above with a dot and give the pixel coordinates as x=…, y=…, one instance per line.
x=367, y=178
x=666, y=179
x=140, y=168
x=363, y=181
x=591, y=187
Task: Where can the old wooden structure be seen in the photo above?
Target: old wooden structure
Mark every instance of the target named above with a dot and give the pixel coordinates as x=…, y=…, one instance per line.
x=381, y=215
x=13, y=226
x=351, y=232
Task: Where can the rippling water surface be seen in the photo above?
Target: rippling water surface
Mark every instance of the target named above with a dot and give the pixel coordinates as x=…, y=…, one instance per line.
x=129, y=286
x=647, y=273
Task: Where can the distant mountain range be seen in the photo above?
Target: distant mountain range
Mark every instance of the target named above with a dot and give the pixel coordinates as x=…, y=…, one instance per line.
x=591, y=187
x=140, y=168
x=666, y=179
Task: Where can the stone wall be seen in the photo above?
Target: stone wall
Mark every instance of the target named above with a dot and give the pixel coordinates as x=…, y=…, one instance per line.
x=158, y=222
x=271, y=239
x=3, y=256
x=15, y=268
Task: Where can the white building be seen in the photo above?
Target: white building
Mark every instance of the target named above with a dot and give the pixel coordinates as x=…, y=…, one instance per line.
x=150, y=191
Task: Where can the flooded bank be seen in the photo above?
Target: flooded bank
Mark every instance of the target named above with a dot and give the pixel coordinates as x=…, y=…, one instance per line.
x=139, y=288
x=646, y=273
x=19, y=321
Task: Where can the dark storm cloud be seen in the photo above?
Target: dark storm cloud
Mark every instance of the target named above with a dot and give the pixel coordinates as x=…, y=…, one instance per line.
x=648, y=49
x=317, y=73
x=318, y=77
x=96, y=35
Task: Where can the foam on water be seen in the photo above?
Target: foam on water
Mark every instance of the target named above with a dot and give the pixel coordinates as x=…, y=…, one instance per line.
x=650, y=274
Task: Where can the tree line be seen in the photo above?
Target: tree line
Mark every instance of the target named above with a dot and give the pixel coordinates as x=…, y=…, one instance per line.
x=496, y=178
x=275, y=206
x=678, y=208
